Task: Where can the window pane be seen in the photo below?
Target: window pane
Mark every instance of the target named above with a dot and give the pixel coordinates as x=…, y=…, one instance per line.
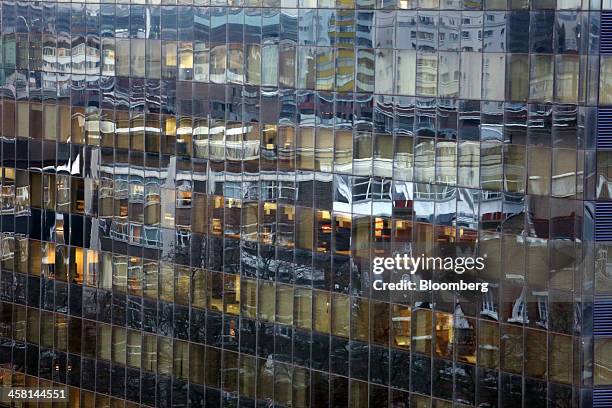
x=535, y=353
x=365, y=70
x=427, y=74
x=138, y=57
x=448, y=80
x=517, y=80
x=541, y=78
x=384, y=71
x=539, y=170
x=488, y=345
x=603, y=362
x=421, y=331
x=494, y=69
x=196, y=363
x=560, y=358
x=512, y=349
x=566, y=81
x=284, y=305
x=133, y=348
x=322, y=311
x=266, y=301
x=345, y=71
x=119, y=345
x=471, y=73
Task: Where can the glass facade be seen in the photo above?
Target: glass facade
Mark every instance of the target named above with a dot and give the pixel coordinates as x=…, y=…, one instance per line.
x=192, y=193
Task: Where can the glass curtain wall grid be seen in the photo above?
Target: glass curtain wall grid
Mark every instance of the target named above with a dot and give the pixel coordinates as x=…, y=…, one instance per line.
x=191, y=194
